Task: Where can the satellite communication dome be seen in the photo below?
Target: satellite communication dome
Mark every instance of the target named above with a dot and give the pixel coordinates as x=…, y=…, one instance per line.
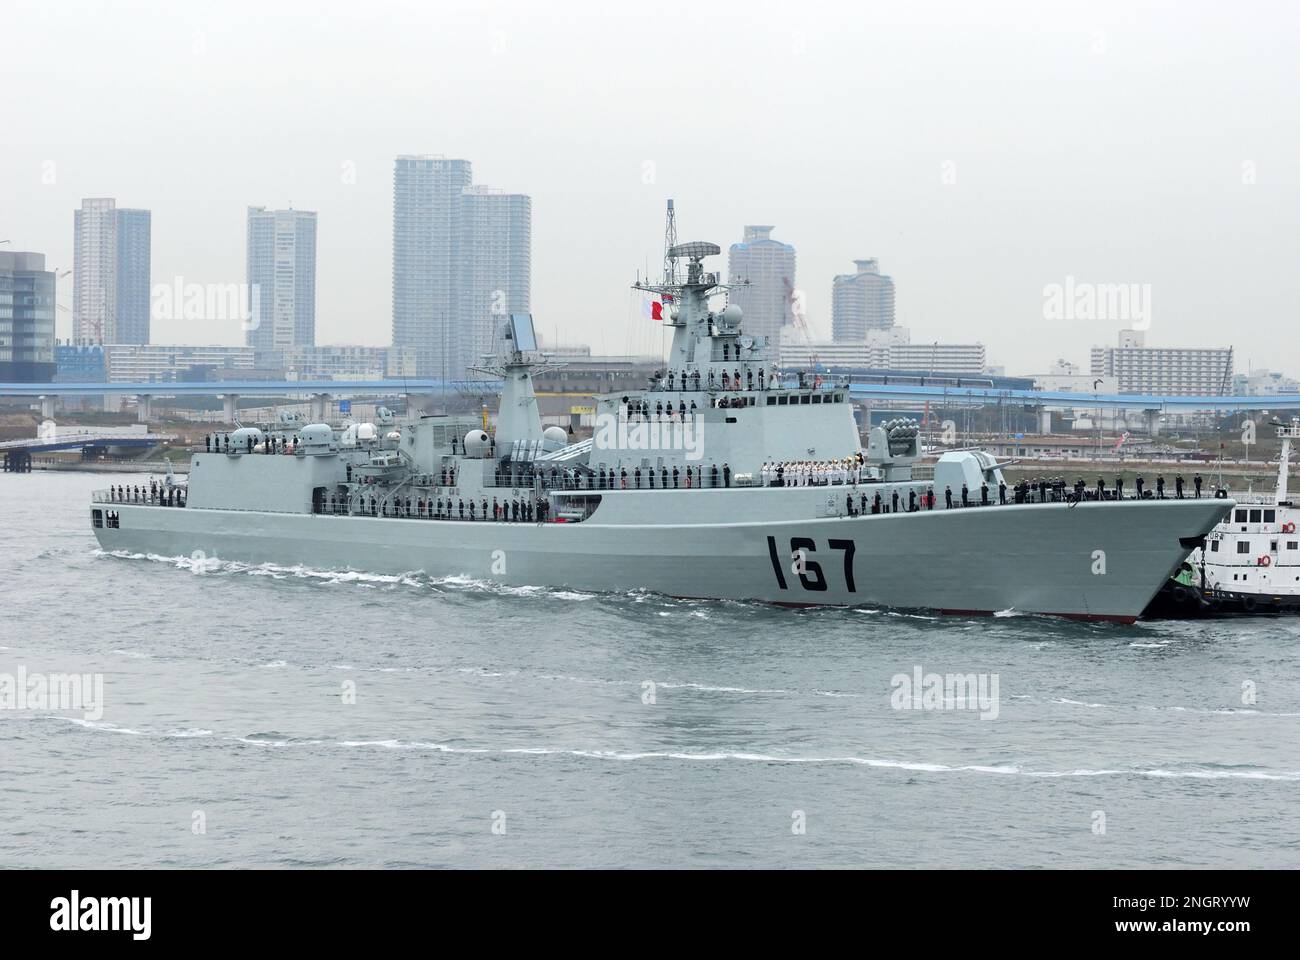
x=730, y=317
x=393, y=435
x=476, y=443
x=554, y=437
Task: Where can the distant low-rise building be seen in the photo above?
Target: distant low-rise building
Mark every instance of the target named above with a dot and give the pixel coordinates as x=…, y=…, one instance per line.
x=887, y=348
x=963, y=359
x=1264, y=383
x=872, y=351
x=157, y=362
x=338, y=362
x=79, y=363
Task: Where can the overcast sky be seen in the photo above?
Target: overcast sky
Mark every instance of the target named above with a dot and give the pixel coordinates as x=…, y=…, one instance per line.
x=980, y=151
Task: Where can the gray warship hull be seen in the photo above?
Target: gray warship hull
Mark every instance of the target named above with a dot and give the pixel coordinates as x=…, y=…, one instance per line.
x=726, y=478
x=1093, y=560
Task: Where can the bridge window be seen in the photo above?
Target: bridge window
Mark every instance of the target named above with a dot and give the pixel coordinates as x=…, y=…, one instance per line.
x=1240, y=516
x=1270, y=516
x=771, y=401
x=1255, y=516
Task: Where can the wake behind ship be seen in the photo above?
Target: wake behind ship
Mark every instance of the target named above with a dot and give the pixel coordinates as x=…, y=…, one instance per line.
x=723, y=479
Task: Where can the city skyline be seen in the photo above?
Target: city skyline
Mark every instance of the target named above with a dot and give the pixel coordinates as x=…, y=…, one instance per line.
x=1098, y=186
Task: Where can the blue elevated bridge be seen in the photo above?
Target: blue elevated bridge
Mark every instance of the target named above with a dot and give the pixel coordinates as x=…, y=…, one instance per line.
x=321, y=391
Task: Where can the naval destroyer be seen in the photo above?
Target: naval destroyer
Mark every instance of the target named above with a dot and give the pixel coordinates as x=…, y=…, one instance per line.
x=723, y=479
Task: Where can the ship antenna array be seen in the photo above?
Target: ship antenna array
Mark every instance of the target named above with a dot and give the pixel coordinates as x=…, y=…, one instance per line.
x=670, y=241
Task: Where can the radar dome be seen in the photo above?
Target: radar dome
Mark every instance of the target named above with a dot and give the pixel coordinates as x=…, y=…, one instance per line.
x=477, y=443
x=729, y=318
x=554, y=438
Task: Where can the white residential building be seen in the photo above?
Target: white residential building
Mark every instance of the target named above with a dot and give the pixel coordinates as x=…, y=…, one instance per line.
x=963, y=359
x=136, y=362
x=1164, y=371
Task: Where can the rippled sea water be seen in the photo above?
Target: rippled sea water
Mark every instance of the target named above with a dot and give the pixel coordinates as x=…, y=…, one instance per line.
x=510, y=727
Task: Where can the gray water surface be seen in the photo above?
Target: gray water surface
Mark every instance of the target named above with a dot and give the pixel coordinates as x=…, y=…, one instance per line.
x=496, y=727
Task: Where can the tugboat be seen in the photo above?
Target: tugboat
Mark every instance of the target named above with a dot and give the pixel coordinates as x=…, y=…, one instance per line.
x=722, y=479
x=1249, y=564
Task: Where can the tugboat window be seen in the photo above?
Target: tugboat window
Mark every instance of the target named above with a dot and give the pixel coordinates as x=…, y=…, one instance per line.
x=1243, y=546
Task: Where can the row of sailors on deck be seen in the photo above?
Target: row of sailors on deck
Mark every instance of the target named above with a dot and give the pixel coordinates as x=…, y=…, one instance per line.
x=220, y=443
x=154, y=493
x=813, y=473
x=692, y=379
x=1054, y=489
x=642, y=410
x=518, y=509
